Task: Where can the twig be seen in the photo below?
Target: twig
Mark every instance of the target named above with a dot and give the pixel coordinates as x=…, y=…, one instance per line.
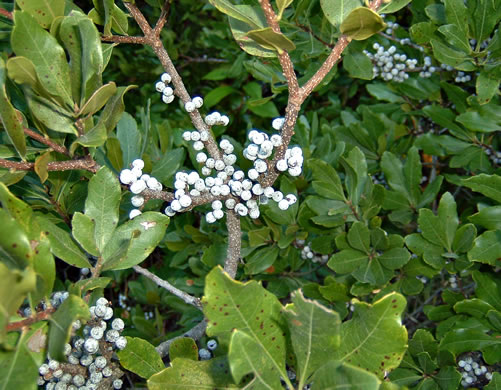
x=234, y=243
x=191, y=300
x=5, y=13
x=310, y=31
x=46, y=141
x=124, y=39
x=195, y=333
x=40, y=316
x=154, y=41
x=83, y=164
x=162, y=18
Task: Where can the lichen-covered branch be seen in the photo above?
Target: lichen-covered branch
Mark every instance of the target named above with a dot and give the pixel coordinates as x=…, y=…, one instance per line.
x=189, y=299
x=83, y=164
x=234, y=243
x=46, y=141
x=40, y=316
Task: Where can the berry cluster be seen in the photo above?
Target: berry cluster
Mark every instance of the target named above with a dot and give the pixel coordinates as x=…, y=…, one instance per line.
x=472, y=370
x=462, y=77
x=162, y=86
x=307, y=253
x=390, y=65
x=138, y=182
x=453, y=281
x=206, y=354
x=90, y=365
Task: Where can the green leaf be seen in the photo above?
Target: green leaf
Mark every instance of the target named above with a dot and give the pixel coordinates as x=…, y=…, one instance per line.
x=474, y=307
x=23, y=72
x=40, y=166
x=440, y=229
x=101, y=205
x=183, y=347
x=314, y=331
x=146, y=230
x=83, y=232
x=486, y=87
x=495, y=383
x=488, y=288
x=114, y=109
x=72, y=309
x=269, y=39
x=336, y=376
x=337, y=11
x=8, y=116
x=89, y=284
x=253, y=314
x=282, y=5
x=365, y=341
x=93, y=138
x=62, y=245
x=392, y=6
x=413, y=174
x=168, y=164
x=235, y=12
x=130, y=139
x=487, y=248
x=361, y=24
x=42, y=10
x=19, y=367
x=15, y=248
x=464, y=238
x=422, y=32
x=458, y=341
x=359, y=237
x=186, y=374
x=326, y=181
x=488, y=185
x=217, y=94
x=358, y=64
x=98, y=99
x=13, y=290
x=140, y=357
x=261, y=260
x=33, y=42
x=355, y=166
x=484, y=15
x=51, y=115
x=475, y=121
x=347, y=261
x=488, y=217
x=454, y=58
x=215, y=255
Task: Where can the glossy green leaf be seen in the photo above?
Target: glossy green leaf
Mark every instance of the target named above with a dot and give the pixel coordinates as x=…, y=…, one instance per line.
x=474, y=307
x=488, y=185
x=62, y=245
x=187, y=374
x=42, y=10
x=13, y=290
x=495, y=383
x=51, y=114
x=486, y=87
x=337, y=11
x=30, y=40
x=114, y=153
x=83, y=232
x=487, y=248
x=282, y=5
x=72, y=309
x=346, y=261
x=40, y=166
x=392, y=6
x=253, y=316
x=140, y=357
x=452, y=57
x=269, y=39
x=336, y=376
x=168, y=164
x=9, y=117
x=101, y=205
x=488, y=217
x=476, y=121
x=89, y=284
x=130, y=139
x=22, y=71
x=15, y=248
x=314, y=331
x=488, y=288
x=146, y=230
x=326, y=181
x=484, y=17
x=183, y=347
x=95, y=137
x=114, y=109
x=364, y=338
x=463, y=340
x=261, y=260
x=362, y=23
x=235, y=12
x=359, y=237
x=358, y=64
x=98, y=99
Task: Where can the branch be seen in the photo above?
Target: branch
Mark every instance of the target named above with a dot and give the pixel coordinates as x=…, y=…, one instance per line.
x=83, y=164
x=124, y=39
x=154, y=41
x=234, y=243
x=5, y=13
x=46, y=141
x=191, y=300
x=41, y=316
x=195, y=333
x=162, y=18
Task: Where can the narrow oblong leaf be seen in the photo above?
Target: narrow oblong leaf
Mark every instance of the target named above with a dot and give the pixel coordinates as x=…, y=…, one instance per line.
x=8, y=116
x=83, y=231
x=270, y=39
x=101, y=205
x=488, y=185
x=235, y=12
x=98, y=99
x=336, y=376
x=362, y=23
x=326, y=181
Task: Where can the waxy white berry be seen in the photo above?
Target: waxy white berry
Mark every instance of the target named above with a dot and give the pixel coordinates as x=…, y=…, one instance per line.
x=189, y=106
x=134, y=213
x=166, y=78
x=198, y=101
